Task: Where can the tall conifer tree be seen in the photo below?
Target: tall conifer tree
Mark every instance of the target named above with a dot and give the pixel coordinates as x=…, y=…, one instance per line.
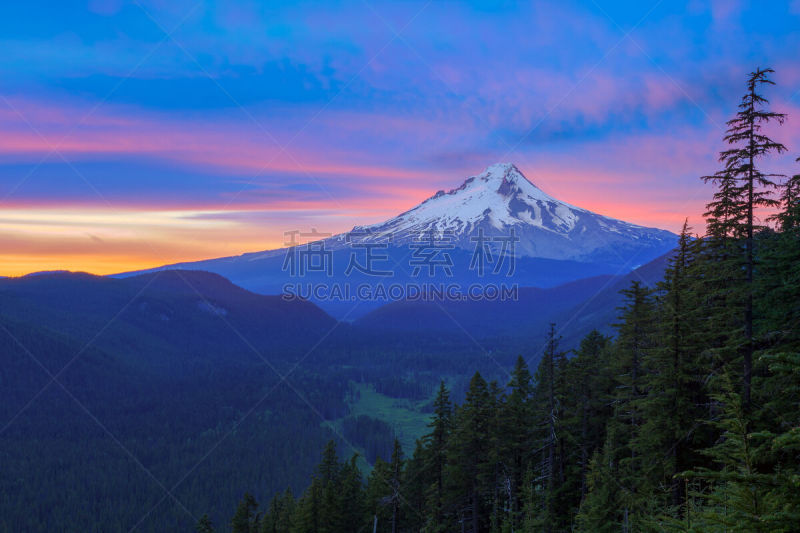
x=436, y=454
x=516, y=438
x=468, y=467
x=743, y=189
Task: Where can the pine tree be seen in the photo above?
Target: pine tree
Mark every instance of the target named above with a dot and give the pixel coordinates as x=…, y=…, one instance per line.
x=789, y=216
x=779, y=283
x=350, y=494
x=784, y=439
x=587, y=410
x=280, y=514
x=319, y=510
x=741, y=496
x=779, y=307
x=246, y=519
x=635, y=338
x=497, y=477
x=329, y=471
x=379, y=495
x=674, y=376
x=600, y=510
x=329, y=468
x=307, y=514
x=515, y=439
x=718, y=269
x=436, y=455
x=416, y=485
x=204, y=525
x=395, y=484
x=548, y=402
x=468, y=467
x=745, y=188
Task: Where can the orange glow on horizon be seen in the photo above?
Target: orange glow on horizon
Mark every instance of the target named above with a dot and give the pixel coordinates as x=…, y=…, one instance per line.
x=100, y=241
x=14, y=265
x=106, y=242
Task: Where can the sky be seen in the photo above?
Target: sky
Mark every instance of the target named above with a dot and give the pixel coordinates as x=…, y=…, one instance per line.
x=135, y=134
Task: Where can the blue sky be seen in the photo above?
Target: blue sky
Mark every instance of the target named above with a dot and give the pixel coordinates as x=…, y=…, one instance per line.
x=258, y=118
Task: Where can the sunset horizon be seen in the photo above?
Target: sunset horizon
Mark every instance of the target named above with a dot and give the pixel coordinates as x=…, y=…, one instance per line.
x=199, y=235
x=400, y=267
x=211, y=151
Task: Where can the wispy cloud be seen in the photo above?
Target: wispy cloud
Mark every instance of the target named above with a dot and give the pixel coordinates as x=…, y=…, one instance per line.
x=259, y=116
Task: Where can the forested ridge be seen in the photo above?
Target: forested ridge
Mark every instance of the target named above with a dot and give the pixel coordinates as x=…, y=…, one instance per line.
x=688, y=419
x=189, y=403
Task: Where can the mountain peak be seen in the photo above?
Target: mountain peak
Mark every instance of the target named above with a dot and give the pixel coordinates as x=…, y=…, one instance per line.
x=507, y=180
x=500, y=200
x=508, y=171
x=493, y=205
x=502, y=178
x=501, y=172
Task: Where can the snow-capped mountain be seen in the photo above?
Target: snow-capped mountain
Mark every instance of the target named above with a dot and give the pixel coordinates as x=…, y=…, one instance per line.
x=555, y=243
x=501, y=200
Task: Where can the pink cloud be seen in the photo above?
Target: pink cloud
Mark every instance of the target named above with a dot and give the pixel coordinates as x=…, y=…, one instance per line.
x=642, y=169
x=232, y=146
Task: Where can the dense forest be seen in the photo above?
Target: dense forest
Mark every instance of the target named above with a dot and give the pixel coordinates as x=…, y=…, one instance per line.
x=169, y=396
x=198, y=431
x=688, y=419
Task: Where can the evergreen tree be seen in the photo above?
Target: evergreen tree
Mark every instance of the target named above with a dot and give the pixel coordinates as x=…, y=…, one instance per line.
x=779, y=283
x=307, y=514
x=784, y=440
x=635, y=338
x=745, y=188
x=789, y=216
x=436, y=455
x=675, y=394
x=549, y=397
x=498, y=499
x=741, y=496
x=516, y=439
x=245, y=520
x=468, y=468
x=319, y=510
x=416, y=485
x=779, y=308
x=204, y=525
x=587, y=410
x=329, y=472
x=379, y=496
x=600, y=510
x=350, y=494
x=395, y=484
x=280, y=514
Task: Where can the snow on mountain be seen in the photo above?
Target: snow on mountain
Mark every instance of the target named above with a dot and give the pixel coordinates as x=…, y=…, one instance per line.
x=501, y=200
x=500, y=195
x=555, y=242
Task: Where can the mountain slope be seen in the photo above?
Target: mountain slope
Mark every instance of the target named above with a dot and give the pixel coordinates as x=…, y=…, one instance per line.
x=576, y=308
x=166, y=315
x=526, y=316
x=166, y=364
x=501, y=199
x=600, y=310
x=554, y=243
x=112, y=389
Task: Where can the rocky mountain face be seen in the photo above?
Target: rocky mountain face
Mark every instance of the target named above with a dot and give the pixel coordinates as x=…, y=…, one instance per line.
x=497, y=214
x=501, y=200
